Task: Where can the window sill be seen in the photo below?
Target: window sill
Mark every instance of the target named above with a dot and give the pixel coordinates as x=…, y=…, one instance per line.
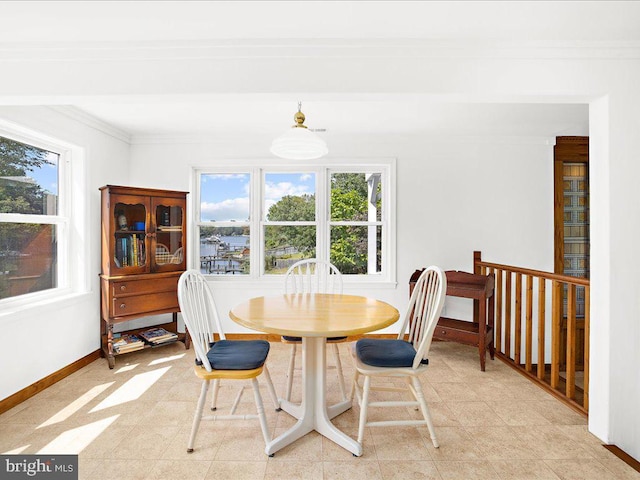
x=30, y=304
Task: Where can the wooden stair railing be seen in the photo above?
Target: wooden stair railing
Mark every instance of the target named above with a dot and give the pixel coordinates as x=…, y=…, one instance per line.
x=532, y=301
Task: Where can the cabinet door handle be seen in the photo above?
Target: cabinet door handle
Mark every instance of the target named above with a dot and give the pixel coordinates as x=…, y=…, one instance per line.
x=123, y=287
x=123, y=305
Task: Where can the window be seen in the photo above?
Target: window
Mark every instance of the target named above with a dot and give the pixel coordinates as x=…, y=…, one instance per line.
x=257, y=221
x=33, y=229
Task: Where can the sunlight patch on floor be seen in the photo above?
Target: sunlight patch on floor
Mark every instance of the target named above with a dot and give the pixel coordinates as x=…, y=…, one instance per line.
x=167, y=359
x=16, y=451
x=132, y=389
x=74, y=440
x=76, y=405
x=127, y=368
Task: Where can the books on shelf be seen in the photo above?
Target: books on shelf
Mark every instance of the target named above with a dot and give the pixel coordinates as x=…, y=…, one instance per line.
x=158, y=336
x=167, y=228
x=130, y=250
x=126, y=342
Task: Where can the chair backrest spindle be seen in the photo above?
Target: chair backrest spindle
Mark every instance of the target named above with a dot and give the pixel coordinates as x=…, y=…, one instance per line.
x=198, y=310
x=423, y=312
x=313, y=276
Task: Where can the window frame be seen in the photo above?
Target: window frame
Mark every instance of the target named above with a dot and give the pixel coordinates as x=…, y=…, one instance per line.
x=70, y=279
x=323, y=169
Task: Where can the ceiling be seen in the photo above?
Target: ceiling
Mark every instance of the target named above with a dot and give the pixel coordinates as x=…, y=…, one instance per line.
x=95, y=25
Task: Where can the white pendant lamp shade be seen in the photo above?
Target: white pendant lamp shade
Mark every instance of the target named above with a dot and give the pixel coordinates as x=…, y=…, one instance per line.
x=298, y=143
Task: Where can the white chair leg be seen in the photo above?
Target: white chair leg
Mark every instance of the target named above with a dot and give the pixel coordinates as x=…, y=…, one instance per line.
x=354, y=385
x=198, y=415
x=292, y=364
x=214, y=396
x=412, y=397
x=260, y=408
x=363, y=408
x=336, y=355
x=272, y=390
x=425, y=410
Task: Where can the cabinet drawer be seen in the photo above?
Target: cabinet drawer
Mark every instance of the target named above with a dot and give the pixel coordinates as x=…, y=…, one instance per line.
x=138, y=304
x=126, y=287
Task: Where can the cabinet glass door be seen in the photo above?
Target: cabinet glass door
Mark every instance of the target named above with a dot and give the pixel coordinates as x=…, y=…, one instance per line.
x=129, y=220
x=169, y=245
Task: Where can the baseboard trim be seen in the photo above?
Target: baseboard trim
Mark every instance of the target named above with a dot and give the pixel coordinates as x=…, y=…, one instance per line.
x=28, y=392
x=624, y=456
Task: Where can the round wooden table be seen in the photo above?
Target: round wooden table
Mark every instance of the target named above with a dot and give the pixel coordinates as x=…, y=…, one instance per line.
x=314, y=317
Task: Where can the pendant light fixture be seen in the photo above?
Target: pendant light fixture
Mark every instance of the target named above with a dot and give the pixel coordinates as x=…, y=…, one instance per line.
x=299, y=143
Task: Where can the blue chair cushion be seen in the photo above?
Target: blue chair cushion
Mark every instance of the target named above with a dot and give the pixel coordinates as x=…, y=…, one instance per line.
x=238, y=354
x=298, y=339
x=379, y=352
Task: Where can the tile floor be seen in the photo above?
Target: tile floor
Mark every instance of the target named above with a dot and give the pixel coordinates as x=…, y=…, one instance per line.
x=133, y=422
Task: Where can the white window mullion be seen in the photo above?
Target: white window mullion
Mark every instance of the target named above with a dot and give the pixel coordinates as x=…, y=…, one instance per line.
x=323, y=231
x=256, y=199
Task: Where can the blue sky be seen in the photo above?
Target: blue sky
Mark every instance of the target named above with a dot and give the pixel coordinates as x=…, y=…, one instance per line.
x=226, y=197
x=47, y=175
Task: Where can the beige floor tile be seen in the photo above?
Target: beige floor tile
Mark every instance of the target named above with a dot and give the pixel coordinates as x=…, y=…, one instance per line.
x=475, y=414
x=305, y=449
x=500, y=443
x=145, y=442
x=455, y=444
x=293, y=470
x=455, y=392
x=122, y=470
x=234, y=470
x=86, y=467
x=550, y=443
x=134, y=422
x=587, y=440
x=518, y=413
x=332, y=452
x=351, y=471
x=581, y=470
x=621, y=470
x=559, y=414
x=403, y=470
x=208, y=439
x=467, y=470
x=242, y=444
x=178, y=470
x=523, y=470
x=400, y=443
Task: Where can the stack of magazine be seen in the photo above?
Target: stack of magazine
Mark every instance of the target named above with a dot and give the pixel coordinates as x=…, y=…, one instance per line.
x=158, y=336
x=126, y=342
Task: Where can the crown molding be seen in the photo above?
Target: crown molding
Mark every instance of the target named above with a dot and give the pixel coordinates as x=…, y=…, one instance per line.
x=91, y=121
x=314, y=48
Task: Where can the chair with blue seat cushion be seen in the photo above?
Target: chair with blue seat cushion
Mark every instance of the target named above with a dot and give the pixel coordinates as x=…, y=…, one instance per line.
x=313, y=276
x=220, y=359
x=399, y=358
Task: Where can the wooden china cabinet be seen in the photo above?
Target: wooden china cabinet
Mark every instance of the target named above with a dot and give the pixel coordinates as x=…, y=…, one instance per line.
x=143, y=255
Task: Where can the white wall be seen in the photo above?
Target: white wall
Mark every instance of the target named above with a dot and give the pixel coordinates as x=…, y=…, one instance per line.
x=42, y=338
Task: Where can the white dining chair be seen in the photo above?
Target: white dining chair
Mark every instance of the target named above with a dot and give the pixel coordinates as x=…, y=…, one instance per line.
x=401, y=358
x=313, y=276
x=220, y=359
